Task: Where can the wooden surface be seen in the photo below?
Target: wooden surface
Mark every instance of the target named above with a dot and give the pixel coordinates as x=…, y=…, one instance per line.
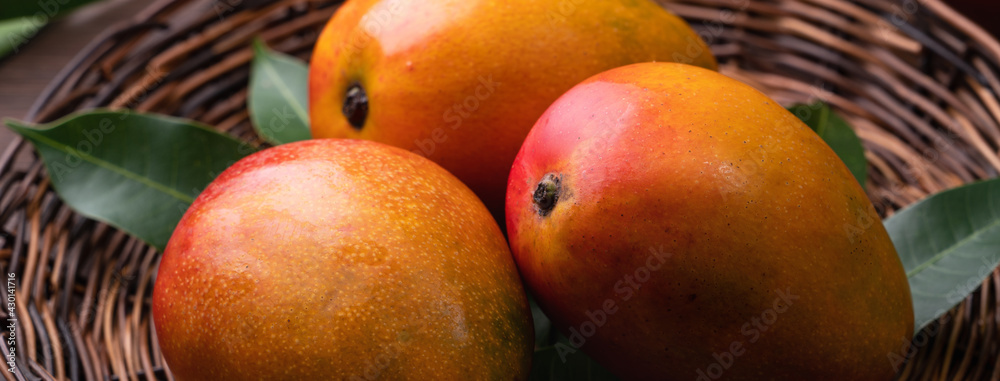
x=24, y=74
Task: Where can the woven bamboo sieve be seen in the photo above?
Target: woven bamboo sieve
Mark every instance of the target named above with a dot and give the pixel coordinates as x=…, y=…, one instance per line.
x=916, y=80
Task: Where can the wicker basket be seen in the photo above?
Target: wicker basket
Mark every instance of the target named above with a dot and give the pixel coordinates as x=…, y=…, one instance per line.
x=916, y=80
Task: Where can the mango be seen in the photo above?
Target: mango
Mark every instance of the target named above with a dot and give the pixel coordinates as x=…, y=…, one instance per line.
x=677, y=224
x=462, y=81
x=340, y=260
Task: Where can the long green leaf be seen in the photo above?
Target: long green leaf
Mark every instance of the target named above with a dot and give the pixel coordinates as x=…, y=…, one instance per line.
x=563, y=362
x=544, y=334
x=38, y=9
x=137, y=172
x=278, y=96
x=15, y=32
x=837, y=134
x=948, y=243
x=555, y=359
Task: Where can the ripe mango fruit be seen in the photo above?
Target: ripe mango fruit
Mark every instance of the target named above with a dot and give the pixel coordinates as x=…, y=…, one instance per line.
x=678, y=224
x=340, y=259
x=462, y=81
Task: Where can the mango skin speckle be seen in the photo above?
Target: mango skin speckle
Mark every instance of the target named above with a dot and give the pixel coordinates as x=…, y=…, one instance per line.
x=693, y=202
x=462, y=81
x=340, y=259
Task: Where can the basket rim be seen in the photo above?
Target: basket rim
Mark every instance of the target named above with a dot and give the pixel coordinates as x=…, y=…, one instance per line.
x=986, y=44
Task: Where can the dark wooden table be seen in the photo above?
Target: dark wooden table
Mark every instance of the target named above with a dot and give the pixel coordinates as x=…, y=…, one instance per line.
x=25, y=74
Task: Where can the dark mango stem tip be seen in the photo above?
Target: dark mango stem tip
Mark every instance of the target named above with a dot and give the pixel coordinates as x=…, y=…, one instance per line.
x=547, y=194
x=356, y=106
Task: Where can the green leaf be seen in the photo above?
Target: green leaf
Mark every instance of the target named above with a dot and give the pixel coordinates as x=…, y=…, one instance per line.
x=837, y=134
x=563, y=362
x=16, y=32
x=137, y=172
x=555, y=358
x=42, y=10
x=948, y=243
x=278, y=98
x=543, y=326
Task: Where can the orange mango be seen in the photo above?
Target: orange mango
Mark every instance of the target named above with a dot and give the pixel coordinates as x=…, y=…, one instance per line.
x=462, y=81
x=678, y=224
x=340, y=259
